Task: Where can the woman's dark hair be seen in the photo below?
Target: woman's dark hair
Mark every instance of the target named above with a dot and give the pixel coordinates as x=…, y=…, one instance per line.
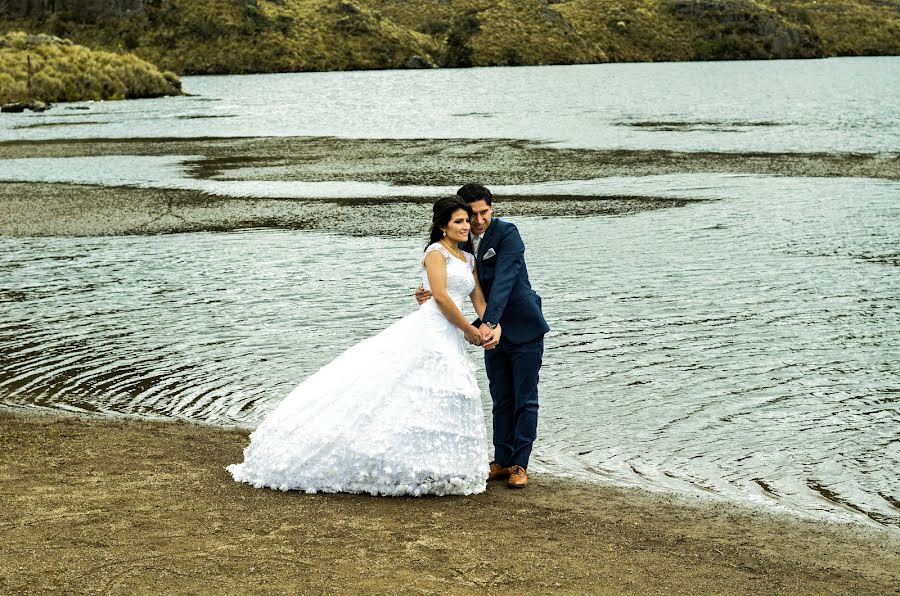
x=442, y=211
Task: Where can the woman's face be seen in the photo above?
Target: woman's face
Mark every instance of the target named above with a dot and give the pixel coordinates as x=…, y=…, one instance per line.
x=457, y=228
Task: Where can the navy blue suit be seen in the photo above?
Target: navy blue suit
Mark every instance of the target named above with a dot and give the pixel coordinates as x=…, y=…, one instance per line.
x=513, y=366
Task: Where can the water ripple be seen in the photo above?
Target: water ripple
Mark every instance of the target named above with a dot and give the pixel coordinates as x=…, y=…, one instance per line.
x=745, y=348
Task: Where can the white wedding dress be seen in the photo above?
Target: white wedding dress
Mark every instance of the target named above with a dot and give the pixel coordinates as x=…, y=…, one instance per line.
x=397, y=414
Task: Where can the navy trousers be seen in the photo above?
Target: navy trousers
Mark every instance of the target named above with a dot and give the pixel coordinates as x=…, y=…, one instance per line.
x=513, y=370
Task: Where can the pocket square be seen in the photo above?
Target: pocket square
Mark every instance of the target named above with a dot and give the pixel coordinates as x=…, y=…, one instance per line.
x=488, y=254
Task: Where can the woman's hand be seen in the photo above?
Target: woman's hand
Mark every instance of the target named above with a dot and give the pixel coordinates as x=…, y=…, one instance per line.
x=473, y=336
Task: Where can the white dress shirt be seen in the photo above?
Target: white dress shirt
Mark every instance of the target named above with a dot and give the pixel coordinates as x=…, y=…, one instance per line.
x=476, y=240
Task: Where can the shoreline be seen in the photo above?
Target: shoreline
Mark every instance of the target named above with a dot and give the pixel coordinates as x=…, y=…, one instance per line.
x=120, y=504
x=861, y=524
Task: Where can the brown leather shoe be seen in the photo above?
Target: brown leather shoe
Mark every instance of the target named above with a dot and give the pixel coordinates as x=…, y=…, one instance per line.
x=498, y=472
x=518, y=477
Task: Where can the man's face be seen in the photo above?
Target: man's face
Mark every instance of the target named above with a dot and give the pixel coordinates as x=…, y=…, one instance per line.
x=481, y=216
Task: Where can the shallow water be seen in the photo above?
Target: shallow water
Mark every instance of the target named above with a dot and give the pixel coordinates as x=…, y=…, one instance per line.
x=745, y=347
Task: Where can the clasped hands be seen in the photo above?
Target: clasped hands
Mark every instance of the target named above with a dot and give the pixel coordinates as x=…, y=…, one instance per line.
x=482, y=336
x=485, y=337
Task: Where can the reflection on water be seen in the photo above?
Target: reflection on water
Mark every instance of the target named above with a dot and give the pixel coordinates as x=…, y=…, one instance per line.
x=747, y=347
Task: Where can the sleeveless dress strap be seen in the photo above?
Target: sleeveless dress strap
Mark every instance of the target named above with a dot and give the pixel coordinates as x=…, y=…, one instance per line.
x=437, y=246
x=440, y=248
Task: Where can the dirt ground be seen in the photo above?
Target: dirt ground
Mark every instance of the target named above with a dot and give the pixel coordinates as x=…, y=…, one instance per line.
x=129, y=506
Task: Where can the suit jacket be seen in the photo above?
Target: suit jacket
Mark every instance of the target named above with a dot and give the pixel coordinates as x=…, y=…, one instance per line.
x=504, y=280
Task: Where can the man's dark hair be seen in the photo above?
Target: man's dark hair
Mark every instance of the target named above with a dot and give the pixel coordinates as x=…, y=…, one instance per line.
x=472, y=192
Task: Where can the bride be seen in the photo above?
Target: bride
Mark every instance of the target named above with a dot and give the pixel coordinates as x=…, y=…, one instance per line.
x=398, y=413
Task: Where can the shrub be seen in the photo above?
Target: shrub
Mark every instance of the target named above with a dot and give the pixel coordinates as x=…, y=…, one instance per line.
x=62, y=71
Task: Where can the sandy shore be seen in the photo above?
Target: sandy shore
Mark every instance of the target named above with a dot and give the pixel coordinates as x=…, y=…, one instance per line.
x=125, y=506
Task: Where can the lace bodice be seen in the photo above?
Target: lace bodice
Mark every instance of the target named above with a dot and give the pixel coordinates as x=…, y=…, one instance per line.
x=460, y=281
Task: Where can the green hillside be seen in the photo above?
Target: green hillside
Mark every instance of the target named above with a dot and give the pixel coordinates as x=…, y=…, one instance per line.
x=240, y=36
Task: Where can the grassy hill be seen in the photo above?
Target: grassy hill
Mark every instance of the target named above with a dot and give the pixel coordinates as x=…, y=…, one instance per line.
x=239, y=36
x=63, y=71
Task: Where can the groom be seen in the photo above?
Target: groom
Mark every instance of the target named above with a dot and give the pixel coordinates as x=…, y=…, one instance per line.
x=513, y=365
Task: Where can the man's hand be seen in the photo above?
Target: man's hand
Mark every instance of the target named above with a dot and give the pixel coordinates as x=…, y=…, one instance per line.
x=489, y=337
x=422, y=295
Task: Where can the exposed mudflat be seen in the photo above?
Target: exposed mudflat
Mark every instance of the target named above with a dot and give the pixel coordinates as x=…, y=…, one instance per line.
x=42, y=209
x=39, y=209
x=127, y=506
x=442, y=162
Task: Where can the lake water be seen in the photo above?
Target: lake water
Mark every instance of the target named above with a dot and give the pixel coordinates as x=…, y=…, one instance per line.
x=746, y=347
x=839, y=105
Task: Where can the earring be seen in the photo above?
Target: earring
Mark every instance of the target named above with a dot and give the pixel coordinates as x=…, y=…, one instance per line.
x=444, y=233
